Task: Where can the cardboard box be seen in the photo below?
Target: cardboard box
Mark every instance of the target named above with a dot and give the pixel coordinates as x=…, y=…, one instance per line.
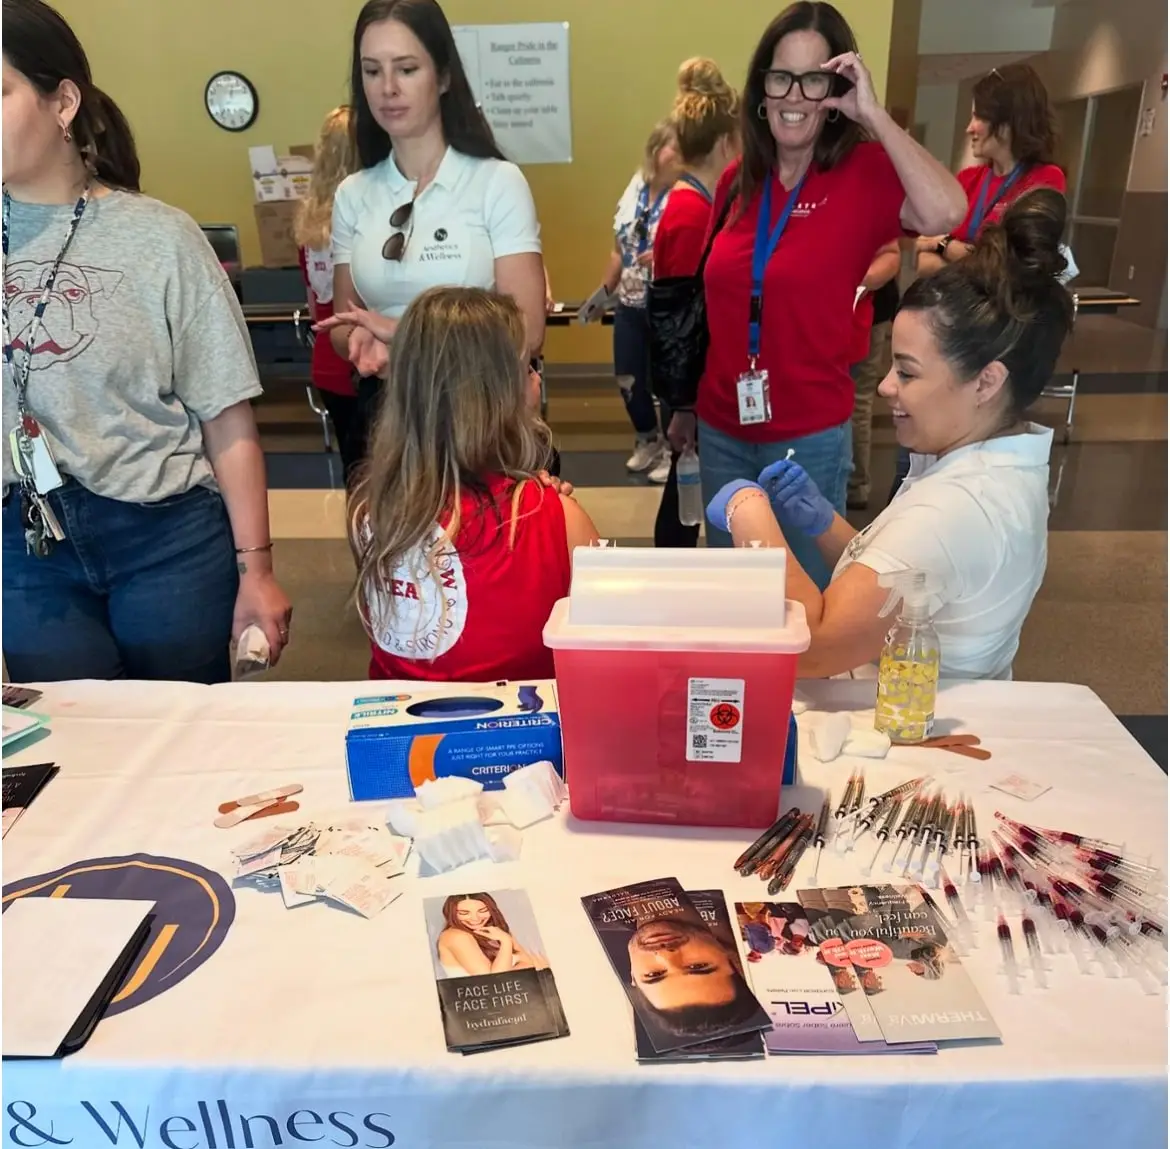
x=276, y=177
x=275, y=222
x=395, y=742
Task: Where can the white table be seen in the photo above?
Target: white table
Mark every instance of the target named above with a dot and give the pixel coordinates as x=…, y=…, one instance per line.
x=306, y=1013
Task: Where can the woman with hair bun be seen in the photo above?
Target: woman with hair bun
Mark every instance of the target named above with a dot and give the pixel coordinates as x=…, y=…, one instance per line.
x=705, y=117
x=973, y=348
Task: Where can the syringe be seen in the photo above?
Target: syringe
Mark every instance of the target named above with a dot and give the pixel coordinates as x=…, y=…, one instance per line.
x=846, y=802
x=973, y=874
x=1009, y=954
x=1034, y=954
x=960, y=839
x=942, y=835
x=749, y=860
x=929, y=814
x=908, y=826
x=819, y=836
x=963, y=923
x=787, y=868
x=883, y=834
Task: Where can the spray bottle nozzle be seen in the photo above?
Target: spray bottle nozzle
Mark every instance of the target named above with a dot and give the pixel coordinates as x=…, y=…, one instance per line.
x=910, y=587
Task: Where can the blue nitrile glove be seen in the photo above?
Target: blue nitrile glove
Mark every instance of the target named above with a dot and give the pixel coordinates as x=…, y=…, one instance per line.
x=797, y=500
x=717, y=507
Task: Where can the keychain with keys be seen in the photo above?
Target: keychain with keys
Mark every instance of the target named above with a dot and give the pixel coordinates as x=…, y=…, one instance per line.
x=41, y=526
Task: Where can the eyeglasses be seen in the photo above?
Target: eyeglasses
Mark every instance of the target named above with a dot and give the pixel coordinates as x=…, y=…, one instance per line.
x=395, y=247
x=815, y=86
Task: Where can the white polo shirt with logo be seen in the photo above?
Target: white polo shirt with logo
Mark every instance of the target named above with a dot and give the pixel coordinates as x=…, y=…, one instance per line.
x=473, y=212
x=976, y=521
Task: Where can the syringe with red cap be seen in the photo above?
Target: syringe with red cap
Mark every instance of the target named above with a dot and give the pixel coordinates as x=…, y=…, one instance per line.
x=1003, y=930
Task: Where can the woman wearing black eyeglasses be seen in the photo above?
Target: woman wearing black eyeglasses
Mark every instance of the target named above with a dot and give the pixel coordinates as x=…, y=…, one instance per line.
x=434, y=202
x=827, y=179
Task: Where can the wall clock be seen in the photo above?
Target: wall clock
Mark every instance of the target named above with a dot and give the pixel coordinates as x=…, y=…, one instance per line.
x=231, y=101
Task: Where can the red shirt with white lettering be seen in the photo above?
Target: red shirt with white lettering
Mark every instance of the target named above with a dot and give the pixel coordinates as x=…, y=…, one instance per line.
x=483, y=618
x=844, y=215
x=1037, y=176
x=682, y=231
x=327, y=369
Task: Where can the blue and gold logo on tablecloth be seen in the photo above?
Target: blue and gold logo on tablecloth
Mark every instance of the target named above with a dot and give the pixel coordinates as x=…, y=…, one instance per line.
x=193, y=910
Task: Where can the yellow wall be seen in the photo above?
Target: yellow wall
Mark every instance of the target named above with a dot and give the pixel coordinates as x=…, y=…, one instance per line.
x=155, y=56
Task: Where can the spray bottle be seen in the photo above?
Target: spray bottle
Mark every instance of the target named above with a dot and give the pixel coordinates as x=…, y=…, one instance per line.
x=908, y=669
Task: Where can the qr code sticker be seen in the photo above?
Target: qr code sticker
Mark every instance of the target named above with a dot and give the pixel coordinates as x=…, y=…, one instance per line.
x=699, y=741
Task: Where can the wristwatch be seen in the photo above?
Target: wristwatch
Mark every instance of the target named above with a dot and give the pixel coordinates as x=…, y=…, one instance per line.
x=940, y=248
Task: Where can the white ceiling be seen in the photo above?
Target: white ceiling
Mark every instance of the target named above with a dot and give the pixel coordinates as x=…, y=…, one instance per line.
x=954, y=67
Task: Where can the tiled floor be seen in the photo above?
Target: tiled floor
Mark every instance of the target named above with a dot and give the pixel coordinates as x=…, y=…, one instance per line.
x=1100, y=617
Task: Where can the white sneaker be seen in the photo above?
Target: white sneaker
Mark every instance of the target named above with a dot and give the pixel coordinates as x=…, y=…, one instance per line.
x=660, y=472
x=646, y=453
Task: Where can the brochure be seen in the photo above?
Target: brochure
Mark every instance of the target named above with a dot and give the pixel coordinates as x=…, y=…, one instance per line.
x=787, y=972
x=493, y=979
x=684, y=986
x=894, y=942
x=712, y=909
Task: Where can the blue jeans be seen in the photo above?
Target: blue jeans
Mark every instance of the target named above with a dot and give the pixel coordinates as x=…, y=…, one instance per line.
x=631, y=365
x=827, y=456
x=135, y=590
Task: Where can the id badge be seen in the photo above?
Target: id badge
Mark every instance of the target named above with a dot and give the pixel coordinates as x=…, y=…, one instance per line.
x=755, y=403
x=37, y=463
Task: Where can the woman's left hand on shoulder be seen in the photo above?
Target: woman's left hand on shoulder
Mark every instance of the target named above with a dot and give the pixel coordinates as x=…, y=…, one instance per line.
x=860, y=103
x=260, y=601
x=561, y=486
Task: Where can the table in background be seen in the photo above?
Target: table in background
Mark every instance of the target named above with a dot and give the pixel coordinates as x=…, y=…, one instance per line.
x=317, y=1011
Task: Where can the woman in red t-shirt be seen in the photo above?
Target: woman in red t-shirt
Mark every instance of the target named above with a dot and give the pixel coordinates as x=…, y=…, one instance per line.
x=782, y=382
x=333, y=160
x=706, y=128
x=1013, y=140
x=462, y=549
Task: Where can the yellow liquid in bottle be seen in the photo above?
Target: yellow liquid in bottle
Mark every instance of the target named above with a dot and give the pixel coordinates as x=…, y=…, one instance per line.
x=907, y=688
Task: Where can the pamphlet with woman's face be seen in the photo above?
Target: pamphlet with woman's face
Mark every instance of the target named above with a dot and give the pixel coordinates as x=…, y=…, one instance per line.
x=493, y=978
x=684, y=985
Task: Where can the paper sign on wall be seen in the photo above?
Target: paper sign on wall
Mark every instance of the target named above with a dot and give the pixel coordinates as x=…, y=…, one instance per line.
x=519, y=74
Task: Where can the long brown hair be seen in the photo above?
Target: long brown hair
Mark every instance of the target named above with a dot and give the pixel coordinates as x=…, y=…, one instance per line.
x=333, y=159
x=41, y=46
x=837, y=138
x=1014, y=97
x=496, y=918
x=455, y=414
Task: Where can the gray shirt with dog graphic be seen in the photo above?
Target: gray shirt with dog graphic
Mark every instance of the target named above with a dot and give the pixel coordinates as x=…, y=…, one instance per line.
x=142, y=341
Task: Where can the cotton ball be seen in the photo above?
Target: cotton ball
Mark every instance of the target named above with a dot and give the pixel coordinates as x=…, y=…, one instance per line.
x=867, y=744
x=827, y=735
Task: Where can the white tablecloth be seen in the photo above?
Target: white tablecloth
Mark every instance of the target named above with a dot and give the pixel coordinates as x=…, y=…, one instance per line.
x=313, y=1021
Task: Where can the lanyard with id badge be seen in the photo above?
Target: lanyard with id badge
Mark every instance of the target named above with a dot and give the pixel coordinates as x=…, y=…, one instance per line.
x=32, y=457
x=982, y=207
x=752, y=391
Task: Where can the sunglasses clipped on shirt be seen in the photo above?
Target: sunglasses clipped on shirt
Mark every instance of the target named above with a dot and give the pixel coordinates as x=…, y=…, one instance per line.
x=814, y=86
x=395, y=247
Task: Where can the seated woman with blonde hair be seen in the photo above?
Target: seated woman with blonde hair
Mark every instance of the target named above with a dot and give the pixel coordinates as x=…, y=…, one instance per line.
x=462, y=548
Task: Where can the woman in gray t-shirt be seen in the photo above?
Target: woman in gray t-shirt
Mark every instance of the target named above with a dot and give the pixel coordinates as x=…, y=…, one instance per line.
x=135, y=521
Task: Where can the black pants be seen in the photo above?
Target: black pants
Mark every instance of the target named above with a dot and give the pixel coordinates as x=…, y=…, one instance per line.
x=668, y=531
x=344, y=413
x=369, y=397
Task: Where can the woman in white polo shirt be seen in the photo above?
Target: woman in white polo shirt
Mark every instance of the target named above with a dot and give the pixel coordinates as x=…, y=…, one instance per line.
x=435, y=203
x=973, y=347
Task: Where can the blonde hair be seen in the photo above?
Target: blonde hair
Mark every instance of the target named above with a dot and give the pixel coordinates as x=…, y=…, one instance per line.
x=333, y=159
x=660, y=136
x=455, y=412
x=706, y=109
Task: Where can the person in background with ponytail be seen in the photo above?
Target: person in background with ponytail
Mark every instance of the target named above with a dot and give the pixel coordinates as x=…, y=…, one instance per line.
x=706, y=126
x=973, y=348
x=333, y=160
x=135, y=531
x=1013, y=140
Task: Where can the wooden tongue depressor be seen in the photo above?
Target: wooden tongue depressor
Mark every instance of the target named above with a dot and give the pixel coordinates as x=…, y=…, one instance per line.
x=946, y=741
x=263, y=798
x=281, y=806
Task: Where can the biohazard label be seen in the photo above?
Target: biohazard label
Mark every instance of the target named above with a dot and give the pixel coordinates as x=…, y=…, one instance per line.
x=714, y=719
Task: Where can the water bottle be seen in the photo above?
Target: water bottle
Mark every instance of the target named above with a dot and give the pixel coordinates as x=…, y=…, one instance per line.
x=909, y=666
x=690, y=493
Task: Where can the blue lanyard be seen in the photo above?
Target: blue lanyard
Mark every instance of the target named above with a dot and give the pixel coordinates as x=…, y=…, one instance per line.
x=762, y=252
x=644, y=214
x=696, y=183
x=20, y=377
x=982, y=207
